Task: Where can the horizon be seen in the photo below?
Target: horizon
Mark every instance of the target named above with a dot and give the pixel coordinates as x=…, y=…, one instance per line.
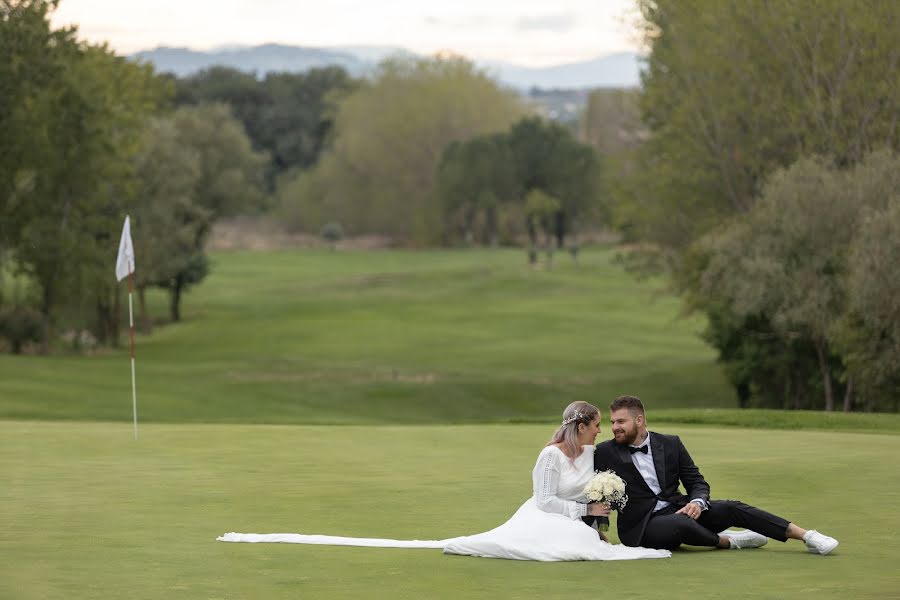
x=348, y=48
x=526, y=33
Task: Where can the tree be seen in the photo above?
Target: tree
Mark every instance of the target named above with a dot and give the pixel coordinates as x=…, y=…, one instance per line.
x=541, y=214
x=242, y=92
x=611, y=122
x=611, y=125
x=380, y=174
x=482, y=175
x=735, y=90
x=195, y=166
x=784, y=266
x=548, y=158
x=231, y=172
x=289, y=116
x=34, y=56
x=869, y=334
x=475, y=179
x=299, y=119
x=71, y=171
x=170, y=227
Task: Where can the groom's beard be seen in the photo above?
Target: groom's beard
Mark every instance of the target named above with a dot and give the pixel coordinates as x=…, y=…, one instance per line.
x=627, y=437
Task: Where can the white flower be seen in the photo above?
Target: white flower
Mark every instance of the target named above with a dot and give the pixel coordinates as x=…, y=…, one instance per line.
x=606, y=487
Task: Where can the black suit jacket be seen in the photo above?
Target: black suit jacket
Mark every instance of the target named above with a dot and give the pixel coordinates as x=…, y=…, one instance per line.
x=673, y=466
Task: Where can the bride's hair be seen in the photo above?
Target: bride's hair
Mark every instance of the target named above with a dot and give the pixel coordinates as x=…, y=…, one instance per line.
x=567, y=434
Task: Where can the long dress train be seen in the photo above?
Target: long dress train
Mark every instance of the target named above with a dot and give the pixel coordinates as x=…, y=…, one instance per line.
x=547, y=527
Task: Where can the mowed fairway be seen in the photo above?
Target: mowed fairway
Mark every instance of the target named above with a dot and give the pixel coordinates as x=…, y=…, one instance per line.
x=89, y=513
x=387, y=337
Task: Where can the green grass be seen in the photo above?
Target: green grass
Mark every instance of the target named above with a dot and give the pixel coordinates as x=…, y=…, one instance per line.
x=387, y=337
x=781, y=419
x=395, y=346
x=86, y=512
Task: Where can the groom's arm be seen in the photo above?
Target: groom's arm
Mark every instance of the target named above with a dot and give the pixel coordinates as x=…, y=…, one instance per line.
x=691, y=477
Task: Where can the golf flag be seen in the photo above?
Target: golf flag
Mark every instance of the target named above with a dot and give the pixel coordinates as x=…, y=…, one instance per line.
x=125, y=260
x=125, y=268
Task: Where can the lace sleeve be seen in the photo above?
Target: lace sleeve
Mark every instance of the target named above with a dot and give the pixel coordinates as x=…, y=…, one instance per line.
x=546, y=481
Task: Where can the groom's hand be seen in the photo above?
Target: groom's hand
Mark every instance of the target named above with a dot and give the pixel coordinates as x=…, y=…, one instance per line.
x=691, y=509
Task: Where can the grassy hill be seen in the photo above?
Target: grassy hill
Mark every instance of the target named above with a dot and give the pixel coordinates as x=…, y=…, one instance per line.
x=386, y=336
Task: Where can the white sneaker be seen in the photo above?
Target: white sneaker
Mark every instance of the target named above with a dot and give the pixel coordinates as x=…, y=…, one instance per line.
x=819, y=543
x=744, y=539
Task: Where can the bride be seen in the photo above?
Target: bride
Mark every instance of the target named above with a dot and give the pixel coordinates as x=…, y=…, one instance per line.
x=549, y=526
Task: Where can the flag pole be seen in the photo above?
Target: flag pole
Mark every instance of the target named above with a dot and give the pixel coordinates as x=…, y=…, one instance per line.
x=131, y=335
x=125, y=268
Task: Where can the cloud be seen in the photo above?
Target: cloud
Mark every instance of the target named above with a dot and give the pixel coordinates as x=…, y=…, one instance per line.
x=559, y=23
x=468, y=22
x=556, y=23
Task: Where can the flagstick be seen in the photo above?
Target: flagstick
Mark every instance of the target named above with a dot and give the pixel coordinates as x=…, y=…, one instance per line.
x=131, y=333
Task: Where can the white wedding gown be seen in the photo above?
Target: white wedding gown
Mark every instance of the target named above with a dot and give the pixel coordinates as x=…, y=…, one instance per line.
x=547, y=527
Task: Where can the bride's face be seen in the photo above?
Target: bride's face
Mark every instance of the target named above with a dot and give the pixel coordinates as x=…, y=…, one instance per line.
x=588, y=434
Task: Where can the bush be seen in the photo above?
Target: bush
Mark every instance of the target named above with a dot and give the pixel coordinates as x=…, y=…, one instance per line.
x=20, y=325
x=332, y=233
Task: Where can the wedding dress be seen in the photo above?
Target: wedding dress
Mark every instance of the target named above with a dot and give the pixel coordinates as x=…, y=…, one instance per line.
x=547, y=527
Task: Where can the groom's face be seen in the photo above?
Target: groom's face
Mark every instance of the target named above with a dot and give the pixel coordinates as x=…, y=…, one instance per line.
x=625, y=426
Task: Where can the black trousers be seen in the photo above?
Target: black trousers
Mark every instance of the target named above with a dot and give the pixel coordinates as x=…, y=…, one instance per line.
x=667, y=530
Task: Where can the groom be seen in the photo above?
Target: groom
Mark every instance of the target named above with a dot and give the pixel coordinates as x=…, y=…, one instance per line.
x=658, y=515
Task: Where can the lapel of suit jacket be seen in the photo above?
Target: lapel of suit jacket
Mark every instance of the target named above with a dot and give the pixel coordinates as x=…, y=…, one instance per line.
x=659, y=458
x=624, y=454
x=625, y=457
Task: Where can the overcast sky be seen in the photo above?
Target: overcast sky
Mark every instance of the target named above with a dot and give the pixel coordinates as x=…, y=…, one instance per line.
x=528, y=32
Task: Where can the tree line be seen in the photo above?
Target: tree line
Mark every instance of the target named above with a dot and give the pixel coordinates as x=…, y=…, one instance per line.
x=756, y=165
x=767, y=186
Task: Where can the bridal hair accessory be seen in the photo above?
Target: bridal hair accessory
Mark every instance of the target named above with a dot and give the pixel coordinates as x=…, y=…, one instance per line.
x=576, y=417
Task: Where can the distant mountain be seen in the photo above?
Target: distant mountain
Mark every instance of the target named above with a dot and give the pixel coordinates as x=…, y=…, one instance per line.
x=258, y=59
x=616, y=70
x=374, y=54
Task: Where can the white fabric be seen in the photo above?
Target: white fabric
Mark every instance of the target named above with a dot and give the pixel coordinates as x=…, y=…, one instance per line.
x=553, y=534
x=329, y=540
x=125, y=259
x=644, y=464
x=551, y=489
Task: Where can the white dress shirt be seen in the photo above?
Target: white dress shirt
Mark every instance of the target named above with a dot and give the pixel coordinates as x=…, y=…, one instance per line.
x=644, y=464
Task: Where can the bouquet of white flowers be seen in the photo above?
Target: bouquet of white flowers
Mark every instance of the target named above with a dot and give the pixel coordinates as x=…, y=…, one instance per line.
x=608, y=488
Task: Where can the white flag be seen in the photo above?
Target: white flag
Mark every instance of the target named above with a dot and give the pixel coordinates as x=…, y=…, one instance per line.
x=125, y=260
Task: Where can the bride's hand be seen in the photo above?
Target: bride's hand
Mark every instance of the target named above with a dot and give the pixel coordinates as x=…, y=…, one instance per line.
x=598, y=509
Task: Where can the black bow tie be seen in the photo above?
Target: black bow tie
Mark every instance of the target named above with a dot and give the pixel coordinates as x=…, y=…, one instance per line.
x=645, y=449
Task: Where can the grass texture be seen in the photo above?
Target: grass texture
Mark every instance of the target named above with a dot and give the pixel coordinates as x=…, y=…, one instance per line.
x=451, y=336
x=89, y=513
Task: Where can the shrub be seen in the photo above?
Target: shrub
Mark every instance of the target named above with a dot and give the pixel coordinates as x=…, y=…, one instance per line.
x=20, y=325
